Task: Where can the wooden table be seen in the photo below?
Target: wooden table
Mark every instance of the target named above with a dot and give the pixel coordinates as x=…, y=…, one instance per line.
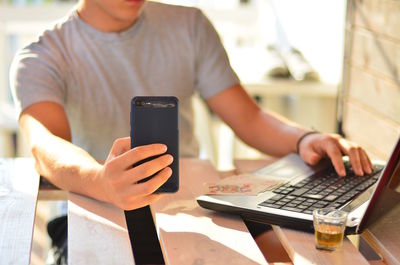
x=19, y=184
x=188, y=233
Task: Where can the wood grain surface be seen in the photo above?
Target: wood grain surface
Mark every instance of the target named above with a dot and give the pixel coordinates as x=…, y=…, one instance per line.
x=380, y=17
x=384, y=236
x=372, y=75
x=188, y=233
x=19, y=185
x=370, y=130
x=97, y=233
x=193, y=235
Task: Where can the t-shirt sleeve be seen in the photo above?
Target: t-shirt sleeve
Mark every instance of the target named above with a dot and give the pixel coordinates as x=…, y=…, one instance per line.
x=213, y=71
x=35, y=76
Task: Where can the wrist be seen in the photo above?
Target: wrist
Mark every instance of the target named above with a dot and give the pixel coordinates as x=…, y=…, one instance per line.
x=93, y=181
x=302, y=137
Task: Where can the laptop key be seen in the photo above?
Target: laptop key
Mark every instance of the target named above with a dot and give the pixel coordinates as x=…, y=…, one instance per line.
x=352, y=193
x=301, y=183
x=313, y=196
x=370, y=182
x=337, y=193
x=298, y=200
x=330, y=198
x=283, y=191
x=361, y=187
x=270, y=205
x=342, y=200
x=278, y=190
x=302, y=207
x=335, y=205
x=292, y=209
x=277, y=197
x=317, y=189
x=320, y=204
x=299, y=192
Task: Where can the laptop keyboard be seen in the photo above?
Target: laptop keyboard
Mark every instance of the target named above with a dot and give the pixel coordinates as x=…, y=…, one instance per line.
x=323, y=189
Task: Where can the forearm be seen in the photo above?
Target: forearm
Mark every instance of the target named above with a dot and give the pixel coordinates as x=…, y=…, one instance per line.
x=264, y=131
x=270, y=133
x=62, y=163
x=68, y=167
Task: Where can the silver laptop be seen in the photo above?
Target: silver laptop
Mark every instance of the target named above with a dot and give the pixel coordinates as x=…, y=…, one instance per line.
x=365, y=198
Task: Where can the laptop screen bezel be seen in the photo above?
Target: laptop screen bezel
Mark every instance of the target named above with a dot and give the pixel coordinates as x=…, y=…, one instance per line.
x=384, y=179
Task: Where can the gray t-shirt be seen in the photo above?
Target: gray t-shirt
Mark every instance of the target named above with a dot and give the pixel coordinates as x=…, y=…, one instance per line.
x=169, y=50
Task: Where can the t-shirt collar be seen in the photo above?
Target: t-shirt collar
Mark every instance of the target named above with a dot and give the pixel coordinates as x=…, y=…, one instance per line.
x=111, y=36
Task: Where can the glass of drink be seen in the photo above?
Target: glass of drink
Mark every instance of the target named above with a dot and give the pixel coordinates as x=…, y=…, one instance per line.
x=329, y=225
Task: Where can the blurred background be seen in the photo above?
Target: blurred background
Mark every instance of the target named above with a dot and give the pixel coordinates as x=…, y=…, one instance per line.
x=291, y=56
x=262, y=37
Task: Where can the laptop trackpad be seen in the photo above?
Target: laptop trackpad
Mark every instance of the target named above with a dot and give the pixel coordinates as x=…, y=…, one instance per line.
x=288, y=168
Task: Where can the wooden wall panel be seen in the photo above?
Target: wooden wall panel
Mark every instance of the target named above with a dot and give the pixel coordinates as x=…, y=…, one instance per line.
x=371, y=93
x=381, y=17
x=376, y=93
x=377, y=135
x=375, y=54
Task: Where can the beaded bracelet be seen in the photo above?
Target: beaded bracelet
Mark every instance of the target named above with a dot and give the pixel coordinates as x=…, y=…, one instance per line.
x=301, y=139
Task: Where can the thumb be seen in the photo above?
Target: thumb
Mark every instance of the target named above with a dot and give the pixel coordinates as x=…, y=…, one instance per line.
x=120, y=146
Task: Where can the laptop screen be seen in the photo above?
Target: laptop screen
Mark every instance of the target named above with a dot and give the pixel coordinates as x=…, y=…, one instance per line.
x=387, y=193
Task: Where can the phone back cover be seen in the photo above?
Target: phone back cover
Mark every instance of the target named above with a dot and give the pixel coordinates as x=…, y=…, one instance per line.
x=151, y=124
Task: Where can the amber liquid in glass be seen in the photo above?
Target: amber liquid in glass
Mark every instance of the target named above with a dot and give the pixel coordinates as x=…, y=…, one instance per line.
x=329, y=237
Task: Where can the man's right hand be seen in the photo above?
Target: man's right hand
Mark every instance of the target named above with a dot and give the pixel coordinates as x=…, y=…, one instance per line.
x=120, y=181
x=69, y=167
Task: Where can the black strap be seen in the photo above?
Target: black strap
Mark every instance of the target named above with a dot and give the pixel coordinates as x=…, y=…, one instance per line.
x=143, y=236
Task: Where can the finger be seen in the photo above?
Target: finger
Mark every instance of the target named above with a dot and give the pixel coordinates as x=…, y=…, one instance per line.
x=371, y=166
x=137, y=173
x=136, y=195
x=147, y=169
x=355, y=161
x=120, y=146
x=354, y=155
x=154, y=183
x=139, y=153
x=365, y=162
x=335, y=155
x=136, y=203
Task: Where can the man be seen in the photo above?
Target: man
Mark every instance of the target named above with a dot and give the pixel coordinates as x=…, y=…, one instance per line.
x=74, y=85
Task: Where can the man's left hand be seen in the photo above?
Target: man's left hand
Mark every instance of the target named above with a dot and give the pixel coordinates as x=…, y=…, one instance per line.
x=314, y=147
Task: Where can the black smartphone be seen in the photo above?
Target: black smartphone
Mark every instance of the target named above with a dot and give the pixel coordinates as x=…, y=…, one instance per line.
x=155, y=120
